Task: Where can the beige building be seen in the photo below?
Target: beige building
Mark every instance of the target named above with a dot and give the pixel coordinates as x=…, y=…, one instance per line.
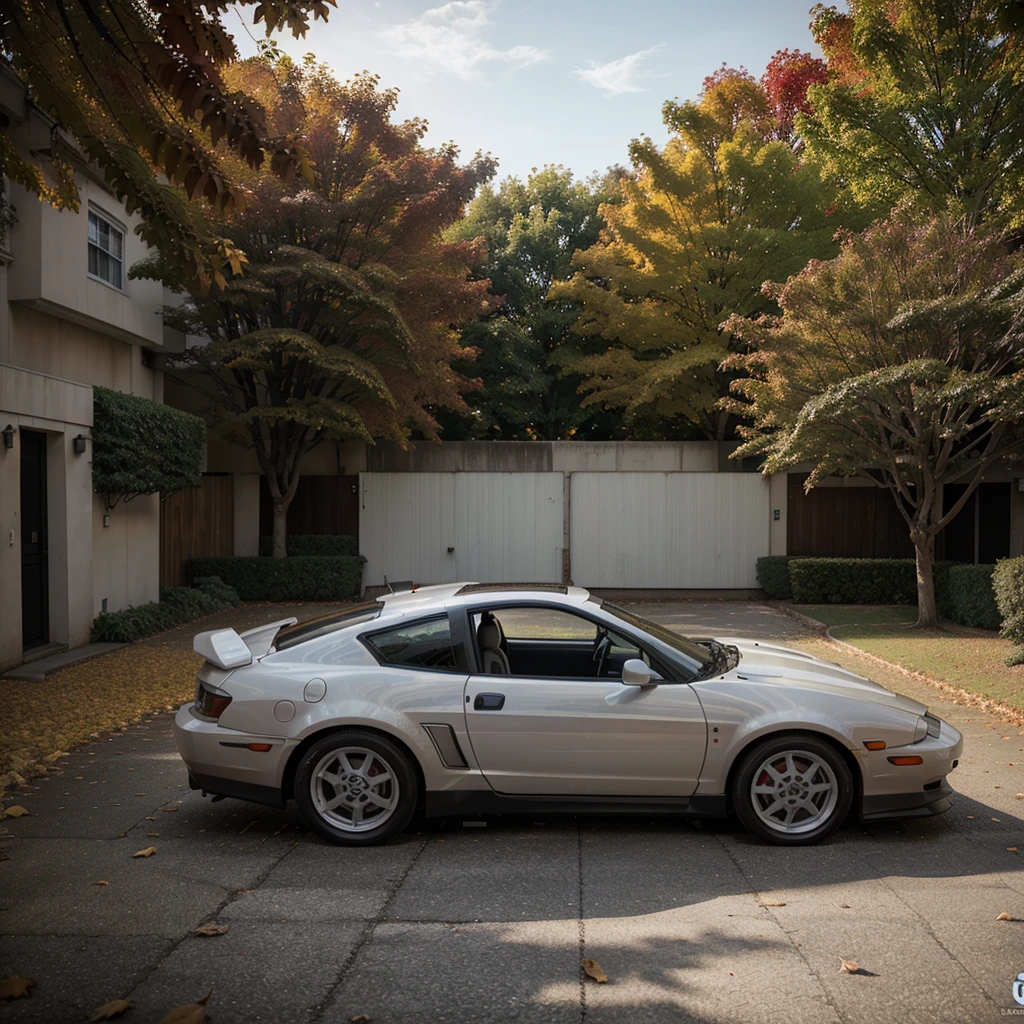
x=70, y=319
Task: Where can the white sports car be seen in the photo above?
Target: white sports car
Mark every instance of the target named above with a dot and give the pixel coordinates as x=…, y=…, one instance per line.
x=482, y=698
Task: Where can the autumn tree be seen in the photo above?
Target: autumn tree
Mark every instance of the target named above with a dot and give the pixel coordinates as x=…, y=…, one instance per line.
x=726, y=204
x=342, y=326
x=900, y=361
x=140, y=87
x=923, y=102
x=531, y=231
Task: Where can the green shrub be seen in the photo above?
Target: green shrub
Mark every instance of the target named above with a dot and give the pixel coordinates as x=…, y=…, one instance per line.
x=216, y=587
x=319, y=544
x=853, y=580
x=142, y=447
x=969, y=598
x=300, y=578
x=1008, y=586
x=773, y=576
x=176, y=606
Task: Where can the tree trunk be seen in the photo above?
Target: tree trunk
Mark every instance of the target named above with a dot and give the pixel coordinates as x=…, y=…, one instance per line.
x=280, y=527
x=924, y=548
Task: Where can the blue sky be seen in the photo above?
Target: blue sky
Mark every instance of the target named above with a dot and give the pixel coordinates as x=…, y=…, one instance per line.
x=535, y=83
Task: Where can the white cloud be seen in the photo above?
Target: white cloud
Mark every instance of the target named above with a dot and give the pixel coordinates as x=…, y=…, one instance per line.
x=616, y=76
x=452, y=37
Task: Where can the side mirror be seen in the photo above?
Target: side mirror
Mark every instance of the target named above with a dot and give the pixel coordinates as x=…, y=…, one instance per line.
x=636, y=673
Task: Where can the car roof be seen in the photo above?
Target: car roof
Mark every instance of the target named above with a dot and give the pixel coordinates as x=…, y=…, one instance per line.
x=455, y=595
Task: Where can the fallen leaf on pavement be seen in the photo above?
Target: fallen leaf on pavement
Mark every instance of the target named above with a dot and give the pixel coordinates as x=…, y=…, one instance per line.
x=850, y=966
x=112, y=1009
x=1011, y=849
x=359, y=1018
x=147, y=852
x=773, y=903
x=593, y=970
x=101, y=883
x=17, y=811
x=210, y=928
x=1004, y=916
x=168, y=809
x=14, y=988
x=191, y=1013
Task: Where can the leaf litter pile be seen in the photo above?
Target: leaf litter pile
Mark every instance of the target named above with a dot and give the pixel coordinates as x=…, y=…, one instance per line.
x=43, y=720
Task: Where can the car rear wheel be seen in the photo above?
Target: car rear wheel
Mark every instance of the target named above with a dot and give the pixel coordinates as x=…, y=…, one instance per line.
x=355, y=788
x=792, y=790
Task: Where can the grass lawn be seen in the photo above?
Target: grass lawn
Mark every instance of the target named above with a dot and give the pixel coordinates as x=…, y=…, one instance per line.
x=971, y=660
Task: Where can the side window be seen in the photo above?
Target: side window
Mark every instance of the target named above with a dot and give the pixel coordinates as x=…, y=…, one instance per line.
x=543, y=624
x=423, y=644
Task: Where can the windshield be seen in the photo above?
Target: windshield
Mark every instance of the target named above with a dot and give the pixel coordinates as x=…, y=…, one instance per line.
x=696, y=654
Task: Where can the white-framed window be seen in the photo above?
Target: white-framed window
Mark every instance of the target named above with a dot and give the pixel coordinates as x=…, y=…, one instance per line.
x=106, y=250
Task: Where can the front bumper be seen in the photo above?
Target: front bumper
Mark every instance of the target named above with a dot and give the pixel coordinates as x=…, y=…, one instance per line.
x=907, y=805
x=914, y=791
x=219, y=760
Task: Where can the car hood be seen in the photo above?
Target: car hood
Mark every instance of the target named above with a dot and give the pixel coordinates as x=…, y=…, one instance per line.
x=771, y=663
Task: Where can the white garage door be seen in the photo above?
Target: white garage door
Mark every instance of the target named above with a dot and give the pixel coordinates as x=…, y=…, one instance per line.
x=444, y=527
x=685, y=530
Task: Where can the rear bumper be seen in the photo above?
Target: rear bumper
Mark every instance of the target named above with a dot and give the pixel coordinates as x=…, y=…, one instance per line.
x=220, y=762
x=907, y=805
x=240, y=790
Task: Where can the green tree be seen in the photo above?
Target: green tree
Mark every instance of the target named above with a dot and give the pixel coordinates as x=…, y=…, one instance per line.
x=900, y=361
x=342, y=326
x=924, y=101
x=531, y=232
x=140, y=87
x=726, y=204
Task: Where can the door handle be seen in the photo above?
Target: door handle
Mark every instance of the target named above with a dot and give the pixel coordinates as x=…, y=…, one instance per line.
x=489, y=702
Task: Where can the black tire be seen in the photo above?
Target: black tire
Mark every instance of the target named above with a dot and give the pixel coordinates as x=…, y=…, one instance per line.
x=358, y=819
x=799, y=790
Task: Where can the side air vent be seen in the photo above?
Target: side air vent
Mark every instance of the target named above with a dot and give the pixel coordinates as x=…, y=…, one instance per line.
x=447, y=746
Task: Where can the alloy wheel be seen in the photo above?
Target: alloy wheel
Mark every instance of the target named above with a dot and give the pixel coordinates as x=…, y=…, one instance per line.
x=354, y=789
x=794, y=791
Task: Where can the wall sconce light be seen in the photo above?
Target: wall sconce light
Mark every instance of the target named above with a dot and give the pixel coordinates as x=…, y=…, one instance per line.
x=79, y=444
x=8, y=436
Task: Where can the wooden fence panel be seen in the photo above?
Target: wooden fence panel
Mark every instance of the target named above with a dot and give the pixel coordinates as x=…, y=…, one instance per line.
x=197, y=521
x=845, y=522
x=322, y=504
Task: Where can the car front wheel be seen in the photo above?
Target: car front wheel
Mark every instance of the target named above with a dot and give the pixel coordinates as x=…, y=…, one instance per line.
x=792, y=790
x=355, y=788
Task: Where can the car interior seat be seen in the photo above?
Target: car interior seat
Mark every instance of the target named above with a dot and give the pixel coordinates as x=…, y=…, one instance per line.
x=493, y=659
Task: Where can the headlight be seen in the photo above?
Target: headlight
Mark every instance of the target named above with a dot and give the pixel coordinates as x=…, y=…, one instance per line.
x=927, y=725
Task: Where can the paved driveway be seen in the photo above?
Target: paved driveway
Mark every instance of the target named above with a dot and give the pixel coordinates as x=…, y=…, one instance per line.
x=456, y=922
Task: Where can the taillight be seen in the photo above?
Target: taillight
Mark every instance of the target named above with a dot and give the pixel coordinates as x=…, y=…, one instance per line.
x=211, y=702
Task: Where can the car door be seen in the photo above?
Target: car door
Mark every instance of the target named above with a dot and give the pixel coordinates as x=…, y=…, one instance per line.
x=556, y=734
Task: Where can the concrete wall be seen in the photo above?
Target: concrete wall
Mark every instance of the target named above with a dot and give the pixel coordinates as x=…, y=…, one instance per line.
x=62, y=409
x=61, y=333
x=50, y=269
x=554, y=456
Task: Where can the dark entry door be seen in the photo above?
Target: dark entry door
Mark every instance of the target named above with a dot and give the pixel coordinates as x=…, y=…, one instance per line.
x=35, y=625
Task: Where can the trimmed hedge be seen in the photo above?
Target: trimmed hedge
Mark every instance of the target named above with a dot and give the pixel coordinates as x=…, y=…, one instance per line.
x=773, y=576
x=177, y=605
x=318, y=544
x=143, y=447
x=969, y=598
x=1008, y=586
x=301, y=578
x=853, y=580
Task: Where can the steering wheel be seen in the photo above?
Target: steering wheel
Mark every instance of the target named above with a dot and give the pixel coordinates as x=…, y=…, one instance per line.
x=602, y=647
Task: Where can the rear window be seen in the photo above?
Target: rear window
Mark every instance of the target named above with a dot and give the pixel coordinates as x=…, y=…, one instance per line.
x=313, y=628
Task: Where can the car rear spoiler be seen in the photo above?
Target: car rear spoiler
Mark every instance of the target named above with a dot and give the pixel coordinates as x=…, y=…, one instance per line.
x=227, y=649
